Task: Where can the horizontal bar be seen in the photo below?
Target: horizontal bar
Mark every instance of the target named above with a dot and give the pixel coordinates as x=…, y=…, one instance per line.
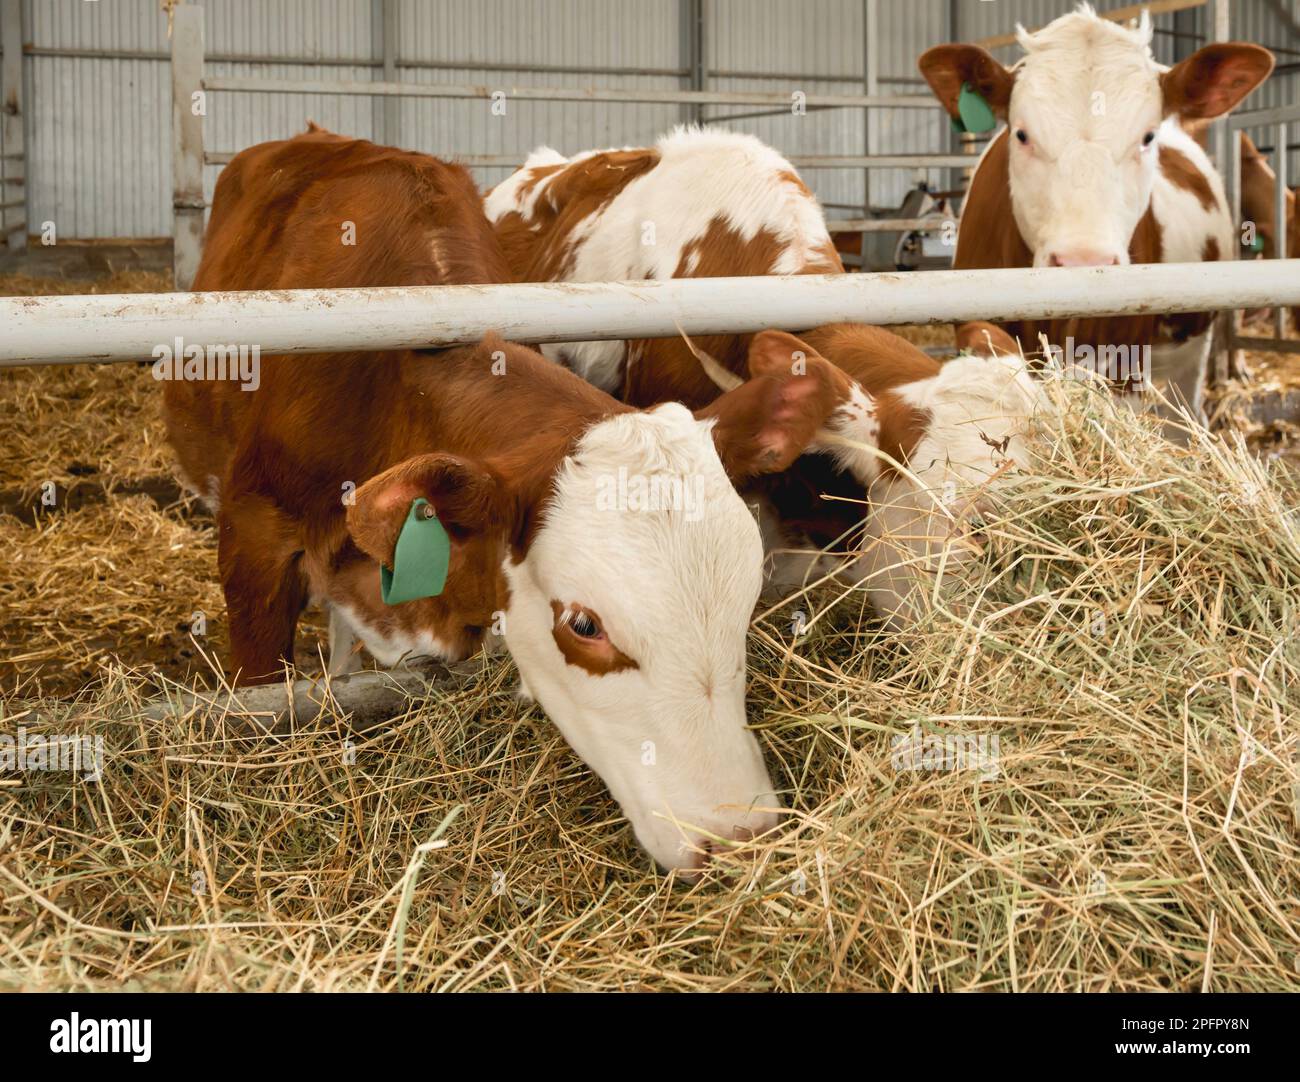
x=796, y=77
x=13, y=204
x=800, y=161
x=607, y=95
x=882, y=161
x=888, y=225
x=1259, y=118
x=13, y=180
x=11, y=157
x=87, y=329
x=1267, y=345
x=360, y=62
x=1155, y=7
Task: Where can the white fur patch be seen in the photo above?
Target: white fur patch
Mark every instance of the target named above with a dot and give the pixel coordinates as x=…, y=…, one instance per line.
x=644, y=231
x=674, y=589
x=980, y=412
x=387, y=648
x=855, y=421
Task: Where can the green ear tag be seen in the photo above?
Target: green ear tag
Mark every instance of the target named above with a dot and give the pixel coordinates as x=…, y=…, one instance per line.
x=1258, y=244
x=420, y=558
x=976, y=113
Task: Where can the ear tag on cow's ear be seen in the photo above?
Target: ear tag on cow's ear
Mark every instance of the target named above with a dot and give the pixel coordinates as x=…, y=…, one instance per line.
x=976, y=113
x=420, y=558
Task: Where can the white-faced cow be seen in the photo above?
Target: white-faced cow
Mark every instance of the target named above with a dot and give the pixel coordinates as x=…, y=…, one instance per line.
x=607, y=543
x=1095, y=168
x=712, y=203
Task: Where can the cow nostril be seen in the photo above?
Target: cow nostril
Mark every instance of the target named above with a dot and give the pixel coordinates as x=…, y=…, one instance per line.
x=702, y=857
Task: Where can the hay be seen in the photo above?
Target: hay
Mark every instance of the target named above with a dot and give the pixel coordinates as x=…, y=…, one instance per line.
x=1129, y=638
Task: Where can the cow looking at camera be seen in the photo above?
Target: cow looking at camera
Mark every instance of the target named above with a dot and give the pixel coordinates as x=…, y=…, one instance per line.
x=1094, y=168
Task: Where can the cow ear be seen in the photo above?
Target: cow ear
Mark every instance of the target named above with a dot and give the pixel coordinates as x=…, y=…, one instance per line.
x=947, y=68
x=986, y=340
x=767, y=422
x=1215, y=79
x=465, y=497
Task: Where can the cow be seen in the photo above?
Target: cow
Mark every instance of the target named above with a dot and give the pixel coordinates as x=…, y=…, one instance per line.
x=709, y=203
x=1258, y=202
x=1095, y=168
x=626, y=615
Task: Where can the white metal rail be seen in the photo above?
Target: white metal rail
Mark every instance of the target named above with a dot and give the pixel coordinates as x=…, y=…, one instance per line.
x=76, y=330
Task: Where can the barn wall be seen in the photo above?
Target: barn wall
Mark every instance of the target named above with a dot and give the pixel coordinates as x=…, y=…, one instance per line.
x=98, y=130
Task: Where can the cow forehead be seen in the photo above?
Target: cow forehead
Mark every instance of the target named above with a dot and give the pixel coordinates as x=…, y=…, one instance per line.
x=645, y=527
x=1084, y=71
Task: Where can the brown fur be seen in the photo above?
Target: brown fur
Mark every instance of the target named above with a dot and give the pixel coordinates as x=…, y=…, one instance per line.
x=665, y=369
x=481, y=447
x=597, y=656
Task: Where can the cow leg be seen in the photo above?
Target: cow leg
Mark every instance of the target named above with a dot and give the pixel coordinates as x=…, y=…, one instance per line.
x=343, y=641
x=258, y=557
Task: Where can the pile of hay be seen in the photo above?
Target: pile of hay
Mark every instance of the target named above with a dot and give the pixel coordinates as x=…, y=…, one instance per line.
x=1131, y=640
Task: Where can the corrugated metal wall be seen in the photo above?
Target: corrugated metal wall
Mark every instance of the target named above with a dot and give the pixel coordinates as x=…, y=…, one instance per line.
x=99, y=129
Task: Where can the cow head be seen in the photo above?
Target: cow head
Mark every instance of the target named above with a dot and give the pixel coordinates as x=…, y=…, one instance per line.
x=627, y=579
x=1085, y=108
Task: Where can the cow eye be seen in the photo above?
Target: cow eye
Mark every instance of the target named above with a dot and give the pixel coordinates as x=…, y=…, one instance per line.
x=1148, y=139
x=584, y=626
x=1023, y=136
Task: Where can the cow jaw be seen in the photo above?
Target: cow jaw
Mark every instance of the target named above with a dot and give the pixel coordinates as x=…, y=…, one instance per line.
x=1086, y=96
x=627, y=619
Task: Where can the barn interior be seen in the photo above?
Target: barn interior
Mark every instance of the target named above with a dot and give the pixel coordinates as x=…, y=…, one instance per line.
x=1140, y=832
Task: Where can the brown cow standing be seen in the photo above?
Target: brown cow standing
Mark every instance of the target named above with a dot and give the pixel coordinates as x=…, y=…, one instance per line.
x=607, y=544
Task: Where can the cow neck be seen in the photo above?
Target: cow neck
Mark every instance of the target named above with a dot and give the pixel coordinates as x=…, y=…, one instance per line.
x=508, y=408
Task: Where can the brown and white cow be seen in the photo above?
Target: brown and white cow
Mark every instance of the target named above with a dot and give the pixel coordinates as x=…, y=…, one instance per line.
x=713, y=203
x=1259, y=202
x=626, y=617
x=1095, y=168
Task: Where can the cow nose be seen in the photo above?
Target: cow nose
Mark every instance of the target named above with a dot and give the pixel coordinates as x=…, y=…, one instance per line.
x=1083, y=257
x=707, y=848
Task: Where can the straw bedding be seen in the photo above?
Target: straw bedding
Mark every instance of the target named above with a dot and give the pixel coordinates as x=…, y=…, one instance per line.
x=1129, y=636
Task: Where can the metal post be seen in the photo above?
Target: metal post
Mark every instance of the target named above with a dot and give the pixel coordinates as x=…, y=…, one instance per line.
x=392, y=128
x=1280, y=192
x=1226, y=356
x=188, y=106
x=1226, y=154
x=870, y=87
x=694, y=44
x=1221, y=31
x=13, y=220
